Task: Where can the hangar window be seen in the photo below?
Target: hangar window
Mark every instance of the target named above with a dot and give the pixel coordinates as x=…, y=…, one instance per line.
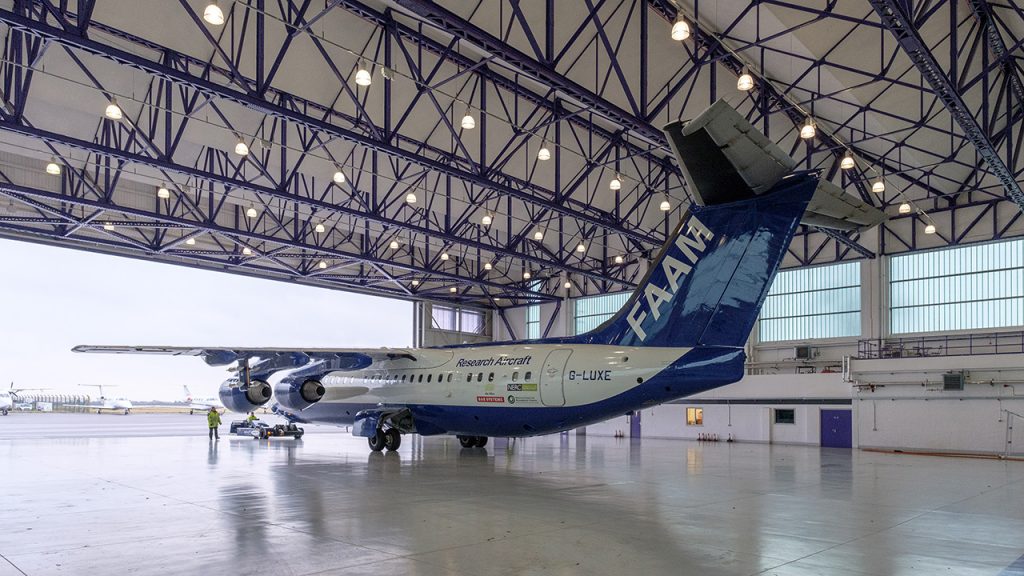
x=533, y=313
x=457, y=319
x=967, y=288
x=591, y=312
x=785, y=416
x=694, y=416
x=812, y=303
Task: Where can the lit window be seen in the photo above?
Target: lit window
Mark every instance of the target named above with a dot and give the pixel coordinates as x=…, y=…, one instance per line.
x=694, y=416
x=811, y=303
x=785, y=416
x=533, y=314
x=967, y=288
x=591, y=312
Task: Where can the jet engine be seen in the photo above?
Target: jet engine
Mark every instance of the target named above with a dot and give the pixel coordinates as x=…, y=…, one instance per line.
x=302, y=388
x=238, y=397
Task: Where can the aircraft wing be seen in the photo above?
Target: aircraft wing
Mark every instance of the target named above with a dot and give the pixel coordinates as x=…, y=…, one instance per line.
x=340, y=358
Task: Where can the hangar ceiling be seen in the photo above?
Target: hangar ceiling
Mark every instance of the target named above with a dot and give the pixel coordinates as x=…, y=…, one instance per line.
x=926, y=96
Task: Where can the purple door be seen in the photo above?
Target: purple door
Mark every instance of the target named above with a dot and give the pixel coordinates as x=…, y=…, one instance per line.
x=634, y=425
x=836, y=429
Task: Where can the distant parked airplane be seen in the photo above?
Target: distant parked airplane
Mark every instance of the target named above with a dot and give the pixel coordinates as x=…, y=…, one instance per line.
x=682, y=331
x=203, y=404
x=112, y=404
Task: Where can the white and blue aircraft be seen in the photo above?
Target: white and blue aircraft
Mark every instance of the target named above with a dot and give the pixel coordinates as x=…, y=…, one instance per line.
x=201, y=403
x=682, y=332
x=6, y=402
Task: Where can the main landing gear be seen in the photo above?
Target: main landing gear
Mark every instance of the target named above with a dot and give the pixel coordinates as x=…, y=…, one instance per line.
x=473, y=441
x=390, y=439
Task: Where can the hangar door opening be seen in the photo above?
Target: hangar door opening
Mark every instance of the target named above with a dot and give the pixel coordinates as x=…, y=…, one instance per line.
x=836, y=429
x=551, y=391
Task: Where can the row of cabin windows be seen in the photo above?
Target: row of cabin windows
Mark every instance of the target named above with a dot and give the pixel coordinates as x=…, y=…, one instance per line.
x=441, y=377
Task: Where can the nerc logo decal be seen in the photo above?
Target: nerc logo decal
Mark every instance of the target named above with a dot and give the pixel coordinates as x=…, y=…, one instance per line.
x=492, y=399
x=522, y=387
x=692, y=242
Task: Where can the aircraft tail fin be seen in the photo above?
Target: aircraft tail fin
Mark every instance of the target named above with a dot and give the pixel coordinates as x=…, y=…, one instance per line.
x=707, y=285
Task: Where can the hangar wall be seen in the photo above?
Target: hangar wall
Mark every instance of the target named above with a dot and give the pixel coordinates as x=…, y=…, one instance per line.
x=896, y=403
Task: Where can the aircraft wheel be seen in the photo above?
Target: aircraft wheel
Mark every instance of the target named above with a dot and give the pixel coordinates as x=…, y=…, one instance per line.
x=481, y=441
x=5, y=411
x=467, y=441
x=190, y=412
x=392, y=439
x=376, y=441
x=99, y=411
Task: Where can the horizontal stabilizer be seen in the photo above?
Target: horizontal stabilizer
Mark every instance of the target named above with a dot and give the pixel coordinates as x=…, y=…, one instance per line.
x=726, y=159
x=830, y=207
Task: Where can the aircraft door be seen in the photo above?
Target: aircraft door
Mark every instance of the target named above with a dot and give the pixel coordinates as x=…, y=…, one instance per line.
x=551, y=391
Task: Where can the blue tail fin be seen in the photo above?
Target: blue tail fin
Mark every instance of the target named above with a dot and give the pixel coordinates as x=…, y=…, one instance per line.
x=707, y=285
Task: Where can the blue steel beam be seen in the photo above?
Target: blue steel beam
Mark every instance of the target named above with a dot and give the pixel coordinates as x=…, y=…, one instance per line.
x=156, y=218
x=899, y=23
x=500, y=183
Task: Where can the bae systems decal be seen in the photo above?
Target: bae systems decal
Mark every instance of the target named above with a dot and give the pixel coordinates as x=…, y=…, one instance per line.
x=492, y=399
x=492, y=361
x=692, y=245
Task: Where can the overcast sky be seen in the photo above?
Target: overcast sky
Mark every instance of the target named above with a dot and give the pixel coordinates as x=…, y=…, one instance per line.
x=55, y=298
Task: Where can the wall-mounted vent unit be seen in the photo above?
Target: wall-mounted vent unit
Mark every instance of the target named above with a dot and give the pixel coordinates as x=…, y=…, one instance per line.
x=953, y=381
x=805, y=352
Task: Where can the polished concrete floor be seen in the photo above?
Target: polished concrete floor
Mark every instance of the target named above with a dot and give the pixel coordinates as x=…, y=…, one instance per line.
x=89, y=494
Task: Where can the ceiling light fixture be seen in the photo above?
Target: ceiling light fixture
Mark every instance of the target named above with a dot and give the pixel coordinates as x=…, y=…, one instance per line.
x=415, y=282
x=567, y=285
x=618, y=259
x=581, y=247
x=847, y=161
x=488, y=266
x=879, y=186
x=468, y=122
x=394, y=244
x=905, y=208
x=680, y=30
x=808, y=131
x=113, y=111
x=665, y=205
x=929, y=229
x=162, y=192
x=251, y=211
x=745, y=82
x=544, y=153
x=339, y=176
x=487, y=219
x=538, y=235
x=108, y=226
x=363, y=77
x=323, y=264
x=52, y=167
x=319, y=228
x=241, y=148
x=453, y=290
x=615, y=184
x=444, y=255
x=191, y=241
x=213, y=14
x=410, y=198
x=526, y=275
x=247, y=251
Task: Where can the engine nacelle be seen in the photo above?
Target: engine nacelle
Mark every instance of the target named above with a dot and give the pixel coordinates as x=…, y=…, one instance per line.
x=240, y=398
x=302, y=388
